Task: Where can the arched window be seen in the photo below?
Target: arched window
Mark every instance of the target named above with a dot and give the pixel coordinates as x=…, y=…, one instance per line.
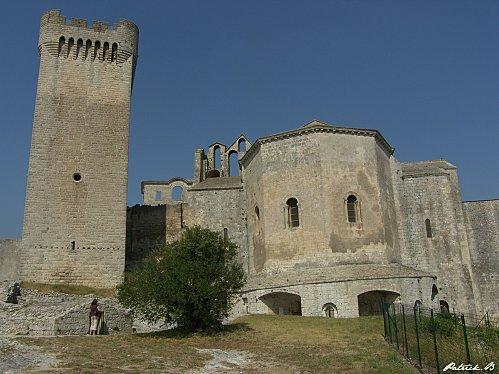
x=105, y=51
x=428, y=228
x=62, y=41
x=293, y=215
x=217, y=157
x=114, y=52
x=88, y=46
x=434, y=292
x=96, y=50
x=177, y=193
x=352, y=209
x=417, y=305
x=241, y=145
x=233, y=164
x=444, y=307
x=330, y=310
x=79, y=45
x=71, y=43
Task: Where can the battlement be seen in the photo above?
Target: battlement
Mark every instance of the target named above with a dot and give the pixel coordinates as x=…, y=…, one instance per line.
x=54, y=16
x=73, y=39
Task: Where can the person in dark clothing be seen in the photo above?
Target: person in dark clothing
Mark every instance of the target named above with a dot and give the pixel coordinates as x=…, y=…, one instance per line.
x=94, y=317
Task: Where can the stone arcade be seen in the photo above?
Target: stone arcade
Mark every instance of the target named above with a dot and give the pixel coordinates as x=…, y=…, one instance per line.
x=327, y=221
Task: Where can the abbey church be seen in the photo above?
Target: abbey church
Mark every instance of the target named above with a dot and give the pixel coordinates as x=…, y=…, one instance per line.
x=327, y=221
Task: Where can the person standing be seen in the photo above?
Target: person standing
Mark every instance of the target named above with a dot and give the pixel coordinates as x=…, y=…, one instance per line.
x=94, y=317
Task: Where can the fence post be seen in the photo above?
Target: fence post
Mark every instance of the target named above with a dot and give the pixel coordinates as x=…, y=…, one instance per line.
x=434, y=333
x=466, y=345
x=417, y=336
x=389, y=324
x=384, y=320
x=405, y=333
x=396, y=327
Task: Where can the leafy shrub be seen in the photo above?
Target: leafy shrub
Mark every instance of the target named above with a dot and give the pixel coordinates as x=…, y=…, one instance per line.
x=191, y=282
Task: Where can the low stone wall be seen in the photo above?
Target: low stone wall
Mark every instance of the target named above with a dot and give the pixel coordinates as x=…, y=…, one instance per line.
x=49, y=314
x=9, y=259
x=76, y=321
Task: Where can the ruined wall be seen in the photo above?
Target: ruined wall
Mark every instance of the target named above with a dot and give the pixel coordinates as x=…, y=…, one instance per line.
x=218, y=204
x=160, y=193
x=9, y=259
x=482, y=225
x=430, y=190
x=149, y=226
x=75, y=208
x=320, y=170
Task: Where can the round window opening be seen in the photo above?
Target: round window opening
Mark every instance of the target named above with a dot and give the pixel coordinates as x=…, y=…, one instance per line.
x=77, y=177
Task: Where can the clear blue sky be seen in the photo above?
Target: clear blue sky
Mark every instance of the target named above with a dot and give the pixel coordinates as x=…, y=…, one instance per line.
x=424, y=73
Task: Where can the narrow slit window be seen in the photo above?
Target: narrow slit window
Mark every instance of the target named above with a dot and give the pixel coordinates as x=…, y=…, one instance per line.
x=105, y=51
x=352, y=209
x=62, y=41
x=226, y=234
x=71, y=43
x=114, y=52
x=293, y=214
x=428, y=228
x=79, y=46
x=96, y=50
x=88, y=46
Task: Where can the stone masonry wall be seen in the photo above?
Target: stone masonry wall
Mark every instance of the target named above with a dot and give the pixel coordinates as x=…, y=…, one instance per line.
x=429, y=190
x=344, y=295
x=75, y=229
x=320, y=170
x=9, y=259
x=149, y=226
x=482, y=224
x=219, y=209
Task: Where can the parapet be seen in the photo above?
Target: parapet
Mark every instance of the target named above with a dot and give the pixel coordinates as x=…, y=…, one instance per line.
x=54, y=26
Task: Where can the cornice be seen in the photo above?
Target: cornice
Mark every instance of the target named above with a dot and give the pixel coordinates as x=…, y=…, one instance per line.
x=318, y=127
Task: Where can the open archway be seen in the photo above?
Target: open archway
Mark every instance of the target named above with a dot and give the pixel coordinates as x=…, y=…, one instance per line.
x=370, y=302
x=282, y=303
x=233, y=164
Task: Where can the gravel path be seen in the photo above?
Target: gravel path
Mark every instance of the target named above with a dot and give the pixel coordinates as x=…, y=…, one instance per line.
x=223, y=361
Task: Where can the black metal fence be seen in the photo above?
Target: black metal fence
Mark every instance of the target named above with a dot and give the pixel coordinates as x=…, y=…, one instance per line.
x=432, y=340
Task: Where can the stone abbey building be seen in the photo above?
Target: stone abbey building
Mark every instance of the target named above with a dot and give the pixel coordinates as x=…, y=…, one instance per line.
x=327, y=221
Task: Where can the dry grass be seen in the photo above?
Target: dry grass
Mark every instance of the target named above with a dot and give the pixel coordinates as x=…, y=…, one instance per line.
x=278, y=344
x=70, y=289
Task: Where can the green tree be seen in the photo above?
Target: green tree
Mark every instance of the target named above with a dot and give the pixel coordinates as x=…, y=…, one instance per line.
x=191, y=282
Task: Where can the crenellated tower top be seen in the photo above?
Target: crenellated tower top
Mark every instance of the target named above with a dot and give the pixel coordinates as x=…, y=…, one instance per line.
x=77, y=40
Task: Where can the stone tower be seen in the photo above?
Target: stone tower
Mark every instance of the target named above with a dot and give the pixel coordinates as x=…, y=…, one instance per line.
x=75, y=209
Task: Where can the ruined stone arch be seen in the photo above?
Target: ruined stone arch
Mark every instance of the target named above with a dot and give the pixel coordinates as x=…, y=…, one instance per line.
x=233, y=163
x=241, y=144
x=213, y=163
